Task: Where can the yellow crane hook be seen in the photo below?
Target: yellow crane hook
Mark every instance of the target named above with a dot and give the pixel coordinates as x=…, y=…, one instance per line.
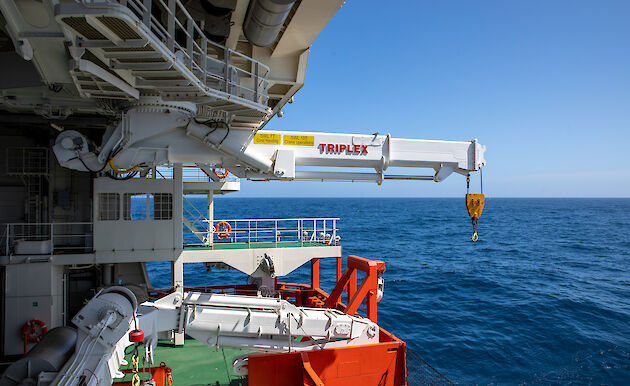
x=474, y=205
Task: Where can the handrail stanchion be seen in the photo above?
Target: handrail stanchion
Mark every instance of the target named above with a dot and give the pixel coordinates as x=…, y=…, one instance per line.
x=171, y=25
x=189, y=44
x=256, y=82
x=146, y=15
x=8, y=252
x=226, y=58
x=52, y=243
x=204, y=58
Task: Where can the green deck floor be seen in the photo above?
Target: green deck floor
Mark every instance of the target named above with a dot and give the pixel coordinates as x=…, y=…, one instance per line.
x=197, y=364
x=270, y=244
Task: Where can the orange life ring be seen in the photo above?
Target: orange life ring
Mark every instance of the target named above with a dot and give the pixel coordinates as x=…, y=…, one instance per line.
x=34, y=330
x=223, y=229
x=222, y=175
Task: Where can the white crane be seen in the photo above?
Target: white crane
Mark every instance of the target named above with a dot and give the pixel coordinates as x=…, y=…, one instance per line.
x=155, y=132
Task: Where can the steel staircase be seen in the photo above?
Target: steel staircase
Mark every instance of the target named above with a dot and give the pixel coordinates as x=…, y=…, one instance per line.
x=122, y=50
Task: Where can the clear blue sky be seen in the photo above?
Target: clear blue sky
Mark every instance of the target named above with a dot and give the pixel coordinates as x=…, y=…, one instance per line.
x=544, y=84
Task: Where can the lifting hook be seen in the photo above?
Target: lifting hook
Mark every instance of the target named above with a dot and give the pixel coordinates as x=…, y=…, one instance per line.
x=474, y=205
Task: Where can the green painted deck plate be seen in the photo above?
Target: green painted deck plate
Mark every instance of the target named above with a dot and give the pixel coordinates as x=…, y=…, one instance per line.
x=196, y=364
x=270, y=244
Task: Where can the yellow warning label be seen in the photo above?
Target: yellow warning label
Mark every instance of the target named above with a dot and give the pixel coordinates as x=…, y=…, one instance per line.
x=267, y=139
x=299, y=140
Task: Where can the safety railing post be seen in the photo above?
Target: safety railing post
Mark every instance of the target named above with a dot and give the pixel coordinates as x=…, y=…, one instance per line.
x=204, y=58
x=146, y=14
x=256, y=82
x=249, y=232
x=8, y=237
x=228, y=68
x=189, y=43
x=171, y=25
x=52, y=243
x=276, y=231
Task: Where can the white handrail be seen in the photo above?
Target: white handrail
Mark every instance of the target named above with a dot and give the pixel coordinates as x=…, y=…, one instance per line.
x=319, y=230
x=281, y=219
x=50, y=232
x=195, y=51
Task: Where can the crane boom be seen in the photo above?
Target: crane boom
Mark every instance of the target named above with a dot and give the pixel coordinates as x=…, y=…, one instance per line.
x=155, y=133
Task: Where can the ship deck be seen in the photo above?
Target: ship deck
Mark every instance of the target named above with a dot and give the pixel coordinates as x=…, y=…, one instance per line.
x=194, y=364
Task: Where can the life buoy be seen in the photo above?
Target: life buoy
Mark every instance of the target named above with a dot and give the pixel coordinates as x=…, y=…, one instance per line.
x=222, y=175
x=223, y=229
x=34, y=330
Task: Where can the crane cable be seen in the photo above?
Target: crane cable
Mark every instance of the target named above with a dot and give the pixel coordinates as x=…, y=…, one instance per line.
x=121, y=171
x=474, y=204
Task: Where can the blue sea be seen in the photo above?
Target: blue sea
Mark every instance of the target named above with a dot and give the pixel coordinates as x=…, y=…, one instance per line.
x=542, y=298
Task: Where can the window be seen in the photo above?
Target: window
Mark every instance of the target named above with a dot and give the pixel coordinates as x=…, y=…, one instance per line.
x=134, y=206
x=162, y=206
x=108, y=206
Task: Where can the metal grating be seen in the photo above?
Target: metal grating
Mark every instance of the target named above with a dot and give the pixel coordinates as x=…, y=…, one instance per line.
x=27, y=161
x=119, y=27
x=81, y=25
x=129, y=49
x=141, y=60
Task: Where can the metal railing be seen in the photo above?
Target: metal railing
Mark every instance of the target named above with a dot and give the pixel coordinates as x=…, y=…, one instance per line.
x=299, y=231
x=215, y=65
x=27, y=161
x=194, y=220
x=77, y=237
x=46, y=238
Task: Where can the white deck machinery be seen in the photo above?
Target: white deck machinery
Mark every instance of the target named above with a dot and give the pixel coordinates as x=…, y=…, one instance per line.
x=126, y=87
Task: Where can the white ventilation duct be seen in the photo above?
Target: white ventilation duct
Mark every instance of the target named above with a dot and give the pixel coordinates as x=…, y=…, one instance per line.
x=265, y=19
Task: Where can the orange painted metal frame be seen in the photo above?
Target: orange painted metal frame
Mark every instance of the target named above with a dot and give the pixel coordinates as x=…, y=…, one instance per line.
x=368, y=287
x=383, y=364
